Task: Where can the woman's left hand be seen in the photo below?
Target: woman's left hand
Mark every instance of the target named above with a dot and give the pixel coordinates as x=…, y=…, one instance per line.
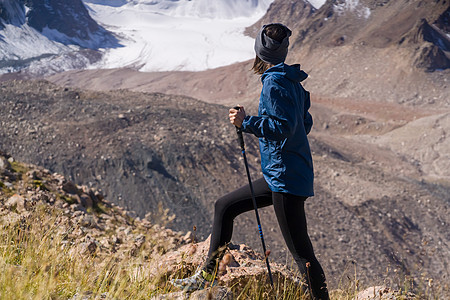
x=237, y=116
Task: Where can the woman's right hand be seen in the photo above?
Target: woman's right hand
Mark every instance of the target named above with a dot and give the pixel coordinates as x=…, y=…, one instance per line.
x=237, y=116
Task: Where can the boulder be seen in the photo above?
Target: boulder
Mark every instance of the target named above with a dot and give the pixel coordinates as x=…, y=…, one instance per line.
x=88, y=248
x=16, y=202
x=86, y=200
x=4, y=164
x=383, y=293
x=70, y=188
x=214, y=293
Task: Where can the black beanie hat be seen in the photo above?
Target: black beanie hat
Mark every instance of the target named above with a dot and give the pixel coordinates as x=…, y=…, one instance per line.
x=270, y=50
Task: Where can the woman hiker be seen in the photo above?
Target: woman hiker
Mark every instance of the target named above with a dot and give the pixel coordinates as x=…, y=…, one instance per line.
x=282, y=125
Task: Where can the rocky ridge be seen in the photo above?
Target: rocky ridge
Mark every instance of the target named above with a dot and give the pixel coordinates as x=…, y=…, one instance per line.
x=92, y=223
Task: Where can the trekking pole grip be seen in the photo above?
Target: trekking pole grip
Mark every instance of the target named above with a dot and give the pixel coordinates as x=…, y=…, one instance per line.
x=239, y=133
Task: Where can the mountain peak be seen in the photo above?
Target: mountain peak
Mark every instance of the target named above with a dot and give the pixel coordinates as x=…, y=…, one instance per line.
x=11, y=12
x=67, y=22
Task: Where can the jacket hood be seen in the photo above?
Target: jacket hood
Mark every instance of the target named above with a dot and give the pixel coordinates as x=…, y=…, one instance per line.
x=292, y=72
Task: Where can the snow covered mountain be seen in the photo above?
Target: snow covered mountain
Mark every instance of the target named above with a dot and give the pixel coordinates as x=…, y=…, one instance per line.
x=19, y=41
x=166, y=35
x=49, y=36
x=67, y=22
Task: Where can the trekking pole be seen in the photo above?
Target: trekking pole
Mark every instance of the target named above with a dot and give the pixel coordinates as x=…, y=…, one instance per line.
x=255, y=206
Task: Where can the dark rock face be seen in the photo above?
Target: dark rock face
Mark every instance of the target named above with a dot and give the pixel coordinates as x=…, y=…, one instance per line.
x=40, y=30
x=12, y=12
x=434, y=52
x=443, y=21
x=69, y=17
x=66, y=21
x=432, y=34
x=431, y=57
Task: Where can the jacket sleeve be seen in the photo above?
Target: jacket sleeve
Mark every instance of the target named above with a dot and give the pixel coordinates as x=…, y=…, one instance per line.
x=307, y=118
x=278, y=119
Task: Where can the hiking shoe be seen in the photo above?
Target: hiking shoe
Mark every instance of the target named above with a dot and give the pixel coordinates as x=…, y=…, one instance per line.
x=200, y=280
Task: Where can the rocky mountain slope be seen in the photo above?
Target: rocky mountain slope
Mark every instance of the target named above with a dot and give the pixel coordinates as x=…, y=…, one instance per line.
x=149, y=149
x=419, y=27
x=380, y=103
x=373, y=209
x=90, y=222
x=389, y=51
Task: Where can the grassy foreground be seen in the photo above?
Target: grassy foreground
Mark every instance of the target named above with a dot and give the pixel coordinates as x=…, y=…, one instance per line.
x=39, y=261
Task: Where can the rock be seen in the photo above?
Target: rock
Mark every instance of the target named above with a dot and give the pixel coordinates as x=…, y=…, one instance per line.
x=93, y=196
x=12, y=218
x=16, y=202
x=77, y=207
x=171, y=296
x=70, y=187
x=188, y=237
x=4, y=164
x=32, y=175
x=9, y=185
x=99, y=196
x=86, y=201
x=138, y=242
x=382, y=293
x=88, y=248
x=214, y=293
x=88, y=221
x=116, y=240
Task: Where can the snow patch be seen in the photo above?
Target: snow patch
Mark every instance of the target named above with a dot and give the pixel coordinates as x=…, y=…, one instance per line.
x=317, y=3
x=20, y=43
x=343, y=6
x=25, y=47
x=94, y=41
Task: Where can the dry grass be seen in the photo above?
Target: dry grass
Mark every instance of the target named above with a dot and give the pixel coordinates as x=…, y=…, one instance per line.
x=38, y=261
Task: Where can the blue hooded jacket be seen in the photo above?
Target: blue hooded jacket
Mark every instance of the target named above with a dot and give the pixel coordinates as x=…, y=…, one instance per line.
x=282, y=124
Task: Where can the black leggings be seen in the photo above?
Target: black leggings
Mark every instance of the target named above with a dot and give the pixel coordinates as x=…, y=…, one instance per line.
x=290, y=212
